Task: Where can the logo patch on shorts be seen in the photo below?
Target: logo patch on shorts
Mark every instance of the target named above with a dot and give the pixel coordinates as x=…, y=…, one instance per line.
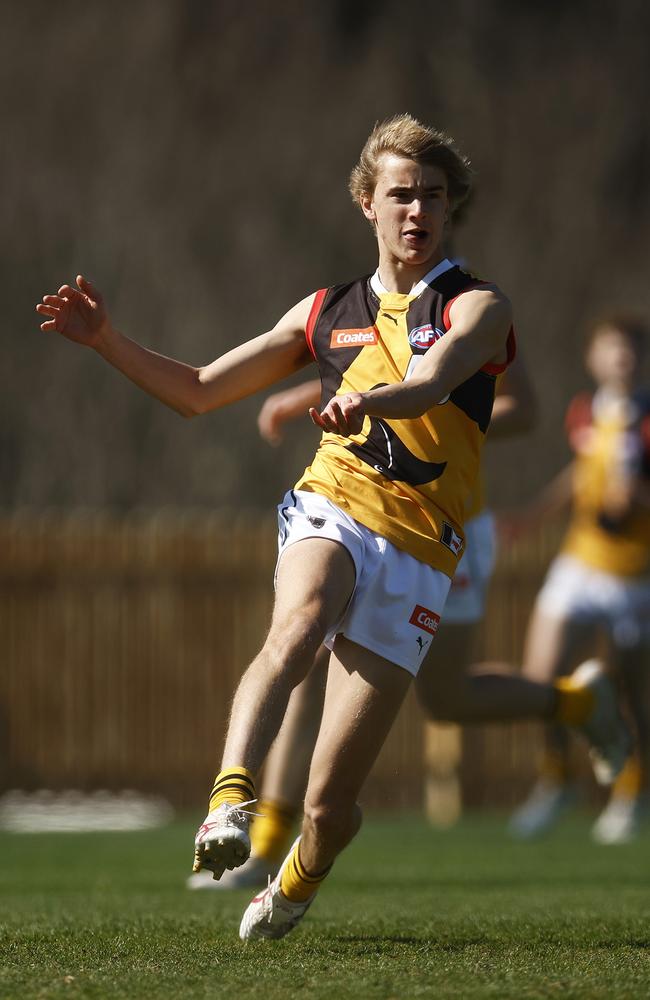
x=449, y=538
x=354, y=337
x=425, y=619
x=318, y=522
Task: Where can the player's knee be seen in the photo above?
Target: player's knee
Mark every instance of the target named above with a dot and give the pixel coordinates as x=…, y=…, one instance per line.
x=291, y=645
x=333, y=823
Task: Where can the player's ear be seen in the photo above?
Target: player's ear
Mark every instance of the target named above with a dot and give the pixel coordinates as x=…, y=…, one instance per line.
x=367, y=207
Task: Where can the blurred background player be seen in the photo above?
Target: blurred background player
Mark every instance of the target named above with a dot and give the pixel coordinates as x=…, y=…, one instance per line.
x=287, y=765
x=598, y=587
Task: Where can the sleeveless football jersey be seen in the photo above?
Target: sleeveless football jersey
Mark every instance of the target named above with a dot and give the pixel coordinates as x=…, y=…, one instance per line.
x=407, y=480
x=611, y=441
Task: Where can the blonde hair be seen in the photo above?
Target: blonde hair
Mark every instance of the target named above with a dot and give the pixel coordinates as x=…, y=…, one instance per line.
x=404, y=135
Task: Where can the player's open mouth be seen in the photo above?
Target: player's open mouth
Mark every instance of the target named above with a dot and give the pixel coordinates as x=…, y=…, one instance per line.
x=416, y=237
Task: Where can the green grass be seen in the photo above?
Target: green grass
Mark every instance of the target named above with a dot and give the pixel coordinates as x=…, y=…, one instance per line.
x=406, y=913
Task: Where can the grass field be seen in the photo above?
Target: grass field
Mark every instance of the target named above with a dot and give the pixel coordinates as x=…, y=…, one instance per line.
x=407, y=913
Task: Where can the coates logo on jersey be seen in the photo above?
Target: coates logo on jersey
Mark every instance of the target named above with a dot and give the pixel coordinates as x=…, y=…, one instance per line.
x=425, y=619
x=424, y=336
x=354, y=337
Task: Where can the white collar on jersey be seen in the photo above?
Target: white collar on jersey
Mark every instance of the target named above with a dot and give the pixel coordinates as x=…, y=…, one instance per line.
x=379, y=289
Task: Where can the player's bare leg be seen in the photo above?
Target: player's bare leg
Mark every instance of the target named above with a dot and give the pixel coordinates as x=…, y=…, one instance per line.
x=287, y=766
x=283, y=786
x=314, y=583
x=364, y=694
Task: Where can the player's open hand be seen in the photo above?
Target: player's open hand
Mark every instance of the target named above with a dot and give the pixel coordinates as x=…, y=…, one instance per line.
x=77, y=313
x=342, y=415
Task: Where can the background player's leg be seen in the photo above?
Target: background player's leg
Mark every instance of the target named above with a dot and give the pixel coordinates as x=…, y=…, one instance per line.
x=314, y=583
x=454, y=647
x=629, y=803
x=553, y=647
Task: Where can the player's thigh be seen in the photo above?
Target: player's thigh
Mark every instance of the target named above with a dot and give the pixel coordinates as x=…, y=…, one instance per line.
x=554, y=644
x=364, y=694
x=314, y=582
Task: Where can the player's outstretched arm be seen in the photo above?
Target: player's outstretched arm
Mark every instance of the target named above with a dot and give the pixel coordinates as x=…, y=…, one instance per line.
x=80, y=315
x=284, y=406
x=480, y=322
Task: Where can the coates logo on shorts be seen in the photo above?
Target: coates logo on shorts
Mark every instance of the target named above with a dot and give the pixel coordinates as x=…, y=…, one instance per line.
x=424, y=336
x=425, y=619
x=354, y=337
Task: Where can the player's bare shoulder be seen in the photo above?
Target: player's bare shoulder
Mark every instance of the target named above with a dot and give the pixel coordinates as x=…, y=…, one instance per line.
x=486, y=303
x=295, y=320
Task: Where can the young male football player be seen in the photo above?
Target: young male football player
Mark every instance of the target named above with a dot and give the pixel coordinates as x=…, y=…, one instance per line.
x=599, y=584
x=371, y=534
x=287, y=766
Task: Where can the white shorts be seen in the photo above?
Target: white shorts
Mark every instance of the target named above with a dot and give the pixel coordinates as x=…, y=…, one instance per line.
x=397, y=601
x=620, y=605
x=466, y=602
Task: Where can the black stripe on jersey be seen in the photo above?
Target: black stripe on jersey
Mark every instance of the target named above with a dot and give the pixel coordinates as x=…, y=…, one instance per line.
x=475, y=397
x=388, y=454
x=345, y=306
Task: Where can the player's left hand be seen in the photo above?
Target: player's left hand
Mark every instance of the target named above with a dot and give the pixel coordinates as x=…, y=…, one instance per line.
x=342, y=415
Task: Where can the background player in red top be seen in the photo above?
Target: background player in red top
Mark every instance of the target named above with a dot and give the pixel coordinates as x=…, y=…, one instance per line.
x=408, y=360
x=598, y=588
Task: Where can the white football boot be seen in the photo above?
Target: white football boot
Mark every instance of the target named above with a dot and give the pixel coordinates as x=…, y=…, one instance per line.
x=609, y=738
x=620, y=820
x=250, y=874
x=270, y=914
x=222, y=841
x=542, y=809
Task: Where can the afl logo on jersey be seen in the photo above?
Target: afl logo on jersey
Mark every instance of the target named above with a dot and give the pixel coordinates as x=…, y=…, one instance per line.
x=424, y=336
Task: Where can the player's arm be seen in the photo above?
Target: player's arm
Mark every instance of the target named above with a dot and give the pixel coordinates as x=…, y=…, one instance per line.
x=81, y=315
x=289, y=404
x=515, y=403
x=480, y=322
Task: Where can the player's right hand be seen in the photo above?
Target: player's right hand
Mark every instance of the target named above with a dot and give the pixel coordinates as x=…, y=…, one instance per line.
x=271, y=419
x=77, y=313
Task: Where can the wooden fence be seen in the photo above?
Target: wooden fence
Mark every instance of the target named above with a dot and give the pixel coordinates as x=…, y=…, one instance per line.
x=122, y=641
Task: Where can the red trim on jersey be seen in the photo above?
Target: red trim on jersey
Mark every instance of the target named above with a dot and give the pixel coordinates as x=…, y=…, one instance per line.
x=445, y=315
x=511, y=350
x=511, y=342
x=313, y=317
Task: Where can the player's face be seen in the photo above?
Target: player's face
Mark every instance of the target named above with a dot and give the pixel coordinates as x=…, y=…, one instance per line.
x=408, y=207
x=611, y=358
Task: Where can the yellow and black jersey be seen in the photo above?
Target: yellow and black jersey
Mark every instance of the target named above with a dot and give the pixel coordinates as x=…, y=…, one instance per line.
x=407, y=480
x=611, y=439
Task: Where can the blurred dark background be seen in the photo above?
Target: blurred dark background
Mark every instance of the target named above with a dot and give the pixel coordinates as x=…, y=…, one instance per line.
x=192, y=159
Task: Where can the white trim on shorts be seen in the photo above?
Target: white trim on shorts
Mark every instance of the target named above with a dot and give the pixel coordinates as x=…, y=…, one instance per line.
x=397, y=602
x=466, y=601
x=620, y=605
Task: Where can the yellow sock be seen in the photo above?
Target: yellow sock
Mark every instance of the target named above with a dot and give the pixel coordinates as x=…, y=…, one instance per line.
x=271, y=829
x=297, y=884
x=628, y=784
x=575, y=702
x=233, y=785
x=554, y=767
